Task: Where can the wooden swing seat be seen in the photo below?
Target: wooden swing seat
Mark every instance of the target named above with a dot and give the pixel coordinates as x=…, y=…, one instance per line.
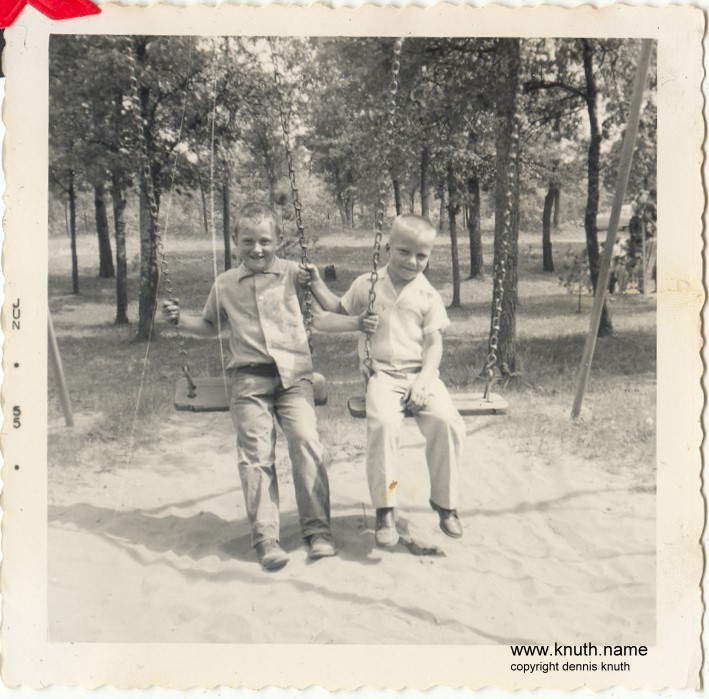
x=212, y=393
x=465, y=403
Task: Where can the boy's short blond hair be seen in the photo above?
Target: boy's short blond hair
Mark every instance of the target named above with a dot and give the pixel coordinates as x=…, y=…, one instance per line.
x=255, y=212
x=417, y=225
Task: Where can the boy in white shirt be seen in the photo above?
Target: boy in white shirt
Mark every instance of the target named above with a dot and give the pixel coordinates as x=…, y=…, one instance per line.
x=406, y=351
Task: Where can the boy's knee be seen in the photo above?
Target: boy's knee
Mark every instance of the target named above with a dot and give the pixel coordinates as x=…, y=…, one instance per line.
x=381, y=423
x=303, y=434
x=458, y=427
x=447, y=421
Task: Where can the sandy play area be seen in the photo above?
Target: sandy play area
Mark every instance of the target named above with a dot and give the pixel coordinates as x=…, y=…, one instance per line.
x=158, y=551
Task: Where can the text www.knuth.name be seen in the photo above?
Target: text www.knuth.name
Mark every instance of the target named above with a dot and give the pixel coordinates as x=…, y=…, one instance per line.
x=585, y=650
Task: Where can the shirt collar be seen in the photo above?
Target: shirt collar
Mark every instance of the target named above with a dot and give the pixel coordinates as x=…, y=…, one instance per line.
x=277, y=267
x=418, y=282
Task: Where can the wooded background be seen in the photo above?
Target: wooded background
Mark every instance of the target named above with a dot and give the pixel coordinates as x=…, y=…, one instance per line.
x=527, y=131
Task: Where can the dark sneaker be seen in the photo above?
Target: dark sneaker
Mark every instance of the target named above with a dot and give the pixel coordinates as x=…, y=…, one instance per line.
x=320, y=546
x=449, y=521
x=385, y=533
x=270, y=555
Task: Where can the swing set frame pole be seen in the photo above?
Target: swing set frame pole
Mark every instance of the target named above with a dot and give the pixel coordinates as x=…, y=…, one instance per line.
x=626, y=160
x=59, y=374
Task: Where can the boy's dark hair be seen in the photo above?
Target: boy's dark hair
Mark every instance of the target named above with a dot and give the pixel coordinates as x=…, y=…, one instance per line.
x=255, y=213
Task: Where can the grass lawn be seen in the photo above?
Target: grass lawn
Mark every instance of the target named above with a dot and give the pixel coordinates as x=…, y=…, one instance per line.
x=129, y=385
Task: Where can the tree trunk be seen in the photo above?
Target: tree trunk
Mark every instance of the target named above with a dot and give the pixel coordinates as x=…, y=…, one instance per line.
x=268, y=165
x=506, y=216
x=341, y=209
x=205, y=214
x=148, y=269
x=474, y=232
x=147, y=297
x=547, y=260
x=340, y=198
x=349, y=199
x=442, y=210
x=118, y=194
x=397, y=195
x=557, y=198
x=425, y=160
x=72, y=235
x=594, y=156
x=226, y=219
x=105, y=256
x=452, y=211
x=348, y=208
x=412, y=201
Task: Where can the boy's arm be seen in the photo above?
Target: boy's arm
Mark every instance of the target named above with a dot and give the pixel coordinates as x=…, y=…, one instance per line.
x=194, y=325
x=330, y=302
x=432, y=354
x=329, y=322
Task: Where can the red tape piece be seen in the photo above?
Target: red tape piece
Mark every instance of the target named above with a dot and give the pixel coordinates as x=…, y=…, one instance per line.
x=54, y=9
x=9, y=9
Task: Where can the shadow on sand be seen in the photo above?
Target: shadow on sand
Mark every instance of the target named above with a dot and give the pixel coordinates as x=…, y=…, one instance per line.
x=205, y=534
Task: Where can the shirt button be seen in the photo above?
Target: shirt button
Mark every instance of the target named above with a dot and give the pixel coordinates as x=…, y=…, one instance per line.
x=260, y=298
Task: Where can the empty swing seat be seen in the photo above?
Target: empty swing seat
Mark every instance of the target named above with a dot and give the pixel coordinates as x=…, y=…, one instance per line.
x=212, y=393
x=465, y=403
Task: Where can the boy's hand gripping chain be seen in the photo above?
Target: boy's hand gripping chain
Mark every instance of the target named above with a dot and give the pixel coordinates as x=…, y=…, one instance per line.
x=146, y=173
x=383, y=191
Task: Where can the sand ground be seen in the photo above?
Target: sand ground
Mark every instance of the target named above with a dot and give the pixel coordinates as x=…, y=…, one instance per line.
x=155, y=548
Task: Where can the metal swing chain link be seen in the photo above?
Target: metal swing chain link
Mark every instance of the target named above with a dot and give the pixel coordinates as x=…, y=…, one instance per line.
x=501, y=269
x=146, y=173
x=285, y=125
x=389, y=131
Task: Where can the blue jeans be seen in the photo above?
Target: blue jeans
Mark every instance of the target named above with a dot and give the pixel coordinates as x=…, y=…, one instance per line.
x=257, y=402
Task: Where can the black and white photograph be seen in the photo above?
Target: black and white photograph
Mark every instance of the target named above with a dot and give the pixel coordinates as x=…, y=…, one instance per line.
x=354, y=339
x=494, y=161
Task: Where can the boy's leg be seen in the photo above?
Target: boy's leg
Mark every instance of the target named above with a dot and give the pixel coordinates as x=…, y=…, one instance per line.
x=251, y=408
x=444, y=430
x=295, y=412
x=385, y=412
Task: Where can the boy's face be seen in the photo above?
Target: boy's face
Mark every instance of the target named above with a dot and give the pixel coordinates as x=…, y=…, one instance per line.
x=408, y=254
x=256, y=244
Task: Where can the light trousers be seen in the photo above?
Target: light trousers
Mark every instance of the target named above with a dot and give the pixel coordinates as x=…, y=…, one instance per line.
x=439, y=422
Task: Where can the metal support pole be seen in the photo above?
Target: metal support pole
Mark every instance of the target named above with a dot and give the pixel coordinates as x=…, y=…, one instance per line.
x=59, y=373
x=626, y=159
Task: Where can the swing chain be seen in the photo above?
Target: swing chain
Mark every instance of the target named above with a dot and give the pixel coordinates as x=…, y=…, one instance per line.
x=146, y=174
x=501, y=267
x=389, y=132
x=297, y=206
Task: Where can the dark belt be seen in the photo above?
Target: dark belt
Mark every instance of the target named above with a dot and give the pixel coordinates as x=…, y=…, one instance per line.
x=259, y=369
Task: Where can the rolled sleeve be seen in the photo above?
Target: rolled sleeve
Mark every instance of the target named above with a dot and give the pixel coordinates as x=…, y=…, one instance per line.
x=435, y=317
x=356, y=297
x=213, y=312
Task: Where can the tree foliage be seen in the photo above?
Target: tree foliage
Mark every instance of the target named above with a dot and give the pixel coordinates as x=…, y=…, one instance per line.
x=211, y=109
